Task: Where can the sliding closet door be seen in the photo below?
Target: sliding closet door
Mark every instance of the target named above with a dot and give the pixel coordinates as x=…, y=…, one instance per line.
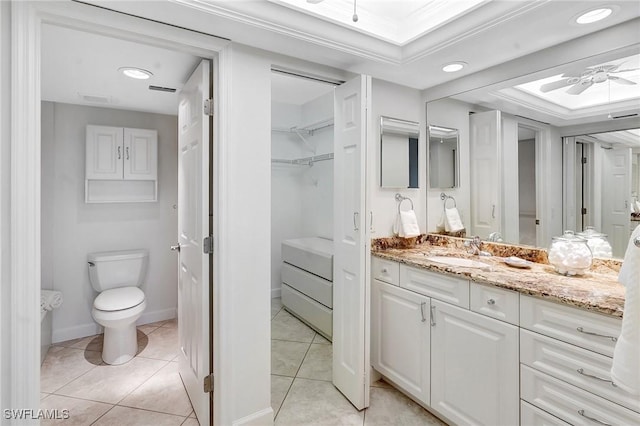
x=351, y=242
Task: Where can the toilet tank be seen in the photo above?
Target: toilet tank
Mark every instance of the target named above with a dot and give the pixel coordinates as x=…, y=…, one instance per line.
x=113, y=269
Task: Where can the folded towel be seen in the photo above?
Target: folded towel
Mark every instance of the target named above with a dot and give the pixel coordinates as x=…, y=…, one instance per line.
x=50, y=300
x=452, y=221
x=408, y=226
x=625, y=371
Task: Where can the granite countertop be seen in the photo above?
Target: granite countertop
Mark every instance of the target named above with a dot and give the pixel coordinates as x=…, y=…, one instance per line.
x=597, y=290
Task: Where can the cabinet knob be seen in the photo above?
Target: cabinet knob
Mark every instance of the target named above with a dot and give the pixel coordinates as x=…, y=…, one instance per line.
x=491, y=302
x=384, y=270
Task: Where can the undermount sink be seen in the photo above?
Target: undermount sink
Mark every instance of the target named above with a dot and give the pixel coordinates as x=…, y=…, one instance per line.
x=457, y=261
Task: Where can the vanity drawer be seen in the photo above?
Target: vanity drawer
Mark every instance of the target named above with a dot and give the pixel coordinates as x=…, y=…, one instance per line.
x=573, y=365
x=588, y=330
x=533, y=416
x=573, y=405
x=385, y=270
x=495, y=302
x=442, y=287
x=306, y=283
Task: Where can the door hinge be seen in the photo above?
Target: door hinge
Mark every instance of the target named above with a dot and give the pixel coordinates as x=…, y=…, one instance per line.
x=537, y=221
x=584, y=210
x=208, y=383
x=584, y=160
x=208, y=106
x=207, y=244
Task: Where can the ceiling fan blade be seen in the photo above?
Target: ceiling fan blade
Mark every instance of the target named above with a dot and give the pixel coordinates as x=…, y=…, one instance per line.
x=580, y=87
x=554, y=85
x=625, y=70
x=621, y=80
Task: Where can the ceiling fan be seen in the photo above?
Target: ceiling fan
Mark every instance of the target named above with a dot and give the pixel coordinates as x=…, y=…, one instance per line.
x=582, y=80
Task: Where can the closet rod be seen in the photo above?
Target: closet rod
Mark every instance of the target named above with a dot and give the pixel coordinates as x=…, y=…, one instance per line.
x=306, y=161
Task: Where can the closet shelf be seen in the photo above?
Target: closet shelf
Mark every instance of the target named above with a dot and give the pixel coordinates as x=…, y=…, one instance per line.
x=308, y=129
x=306, y=161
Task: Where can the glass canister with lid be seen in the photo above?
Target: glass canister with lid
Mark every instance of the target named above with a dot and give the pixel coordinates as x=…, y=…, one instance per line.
x=570, y=254
x=597, y=242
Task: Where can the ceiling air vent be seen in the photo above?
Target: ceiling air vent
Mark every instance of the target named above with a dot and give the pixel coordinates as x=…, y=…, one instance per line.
x=162, y=89
x=95, y=99
x=624, y=116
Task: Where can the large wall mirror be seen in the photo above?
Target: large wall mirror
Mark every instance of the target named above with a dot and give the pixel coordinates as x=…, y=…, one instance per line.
x=523, y=142
x=399, y=153
x=443, y=152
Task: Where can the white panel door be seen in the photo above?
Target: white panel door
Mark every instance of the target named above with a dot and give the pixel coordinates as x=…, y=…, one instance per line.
x=474, y=367
x=351, y=240
x=485, y=144
x=616, y=196
x=104, y=153
x=400, y=333
x=140, y=154
x=193, y=227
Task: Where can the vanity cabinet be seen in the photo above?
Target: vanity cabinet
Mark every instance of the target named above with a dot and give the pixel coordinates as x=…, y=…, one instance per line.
x=121, y=164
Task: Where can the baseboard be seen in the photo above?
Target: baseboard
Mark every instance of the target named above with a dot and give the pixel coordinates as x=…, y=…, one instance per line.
x=261, y=418
x=84, y=330
x=276, y=292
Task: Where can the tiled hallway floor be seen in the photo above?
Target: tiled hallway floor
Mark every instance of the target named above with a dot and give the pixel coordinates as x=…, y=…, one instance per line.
x=301, y=388
x=145, y=391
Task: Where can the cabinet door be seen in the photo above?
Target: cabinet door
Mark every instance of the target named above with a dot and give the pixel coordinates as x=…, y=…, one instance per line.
x=104, y=153
x=140, y=154
x=474, y=367
x=400, y=338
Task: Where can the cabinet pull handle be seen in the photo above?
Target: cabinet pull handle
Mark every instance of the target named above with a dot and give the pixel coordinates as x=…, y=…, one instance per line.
x=422, y=305
x=600, y=422
x=581, y=371
x=127, y=152
x=371, y=221
x=355, y=221
x=591, y=333
x=432, y=315
x=491, y=302
x=119, y=154
x=493, y=211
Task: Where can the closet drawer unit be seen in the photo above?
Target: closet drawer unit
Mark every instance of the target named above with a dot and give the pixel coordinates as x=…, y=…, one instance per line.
x=311, y=285
x=585, y=369
x=313, y=313
x=312, y=254
x=588, y=330
x=495, y=302
x=384, y=270
x=533, y=416
x=442, y=287
x=573, y=405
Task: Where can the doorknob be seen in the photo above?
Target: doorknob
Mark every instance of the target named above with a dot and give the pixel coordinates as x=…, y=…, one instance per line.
x=176, y=247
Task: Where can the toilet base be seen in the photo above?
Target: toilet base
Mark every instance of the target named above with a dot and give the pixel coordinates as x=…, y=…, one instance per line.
x=120, y=345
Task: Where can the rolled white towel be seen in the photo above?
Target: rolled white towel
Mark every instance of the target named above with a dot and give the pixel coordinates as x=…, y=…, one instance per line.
x=625, y=371
x=409, y=224
x=50, y=299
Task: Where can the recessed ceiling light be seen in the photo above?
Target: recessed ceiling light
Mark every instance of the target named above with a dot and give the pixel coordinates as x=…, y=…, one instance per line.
x=454, y=66
x=137, y=73
x=594, y=15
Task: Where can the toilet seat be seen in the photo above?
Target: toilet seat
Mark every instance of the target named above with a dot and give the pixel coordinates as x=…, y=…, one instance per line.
x=117, y=299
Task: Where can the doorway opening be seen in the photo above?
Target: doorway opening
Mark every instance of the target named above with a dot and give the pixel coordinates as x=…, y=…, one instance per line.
x=527, y=188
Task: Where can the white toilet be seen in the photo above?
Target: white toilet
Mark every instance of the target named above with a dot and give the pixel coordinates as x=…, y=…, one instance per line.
x=116, y=275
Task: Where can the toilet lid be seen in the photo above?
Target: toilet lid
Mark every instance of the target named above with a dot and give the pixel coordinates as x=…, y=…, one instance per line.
x=118, y=299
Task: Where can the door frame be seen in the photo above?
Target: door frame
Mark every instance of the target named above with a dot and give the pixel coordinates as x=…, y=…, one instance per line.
x=25, y=214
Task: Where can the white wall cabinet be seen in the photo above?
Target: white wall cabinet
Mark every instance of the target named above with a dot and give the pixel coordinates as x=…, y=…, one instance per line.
x=400, y=338
x=474, y=367
x=121, y=165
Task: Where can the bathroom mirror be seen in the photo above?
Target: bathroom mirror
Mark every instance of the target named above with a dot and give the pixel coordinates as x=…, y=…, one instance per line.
x=442, y=157
x=517, y=176
x=398, y=153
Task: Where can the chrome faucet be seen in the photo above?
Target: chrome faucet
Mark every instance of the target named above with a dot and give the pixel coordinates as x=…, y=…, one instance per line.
x=475, y=244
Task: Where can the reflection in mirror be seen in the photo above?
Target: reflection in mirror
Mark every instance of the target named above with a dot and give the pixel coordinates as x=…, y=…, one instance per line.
x=443, y=157
x=398, y=153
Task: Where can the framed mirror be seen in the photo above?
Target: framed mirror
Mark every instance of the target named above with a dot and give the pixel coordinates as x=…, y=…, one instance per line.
x=442, y=158
x=398, y=153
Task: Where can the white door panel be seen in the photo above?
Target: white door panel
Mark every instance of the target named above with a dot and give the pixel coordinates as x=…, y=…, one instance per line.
x=140, y=154
x=193, y=227
x=350, y=294
x=104, y=152
x=616, y=196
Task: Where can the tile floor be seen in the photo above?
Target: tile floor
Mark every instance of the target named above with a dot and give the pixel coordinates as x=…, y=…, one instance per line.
x=145, y=391
x=301, y=388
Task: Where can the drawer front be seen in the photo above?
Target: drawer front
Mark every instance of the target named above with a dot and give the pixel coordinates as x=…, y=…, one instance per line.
x=442, y=287
x=495, y=302
x=318, y=316
x=573, y=405
x=588, y=330
x=384, y=270
x=573, y=365
x=533, y=416
x=311, y=285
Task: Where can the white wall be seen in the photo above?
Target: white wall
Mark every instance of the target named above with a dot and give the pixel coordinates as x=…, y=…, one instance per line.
x=72, y=228
x=392, y=100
